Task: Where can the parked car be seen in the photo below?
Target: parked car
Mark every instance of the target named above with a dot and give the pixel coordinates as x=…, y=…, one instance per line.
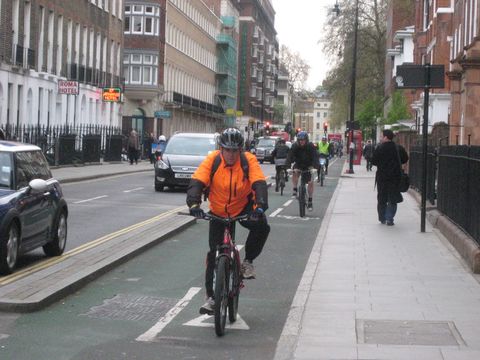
x=182, y=156
x=264, y=148
x=33, y=212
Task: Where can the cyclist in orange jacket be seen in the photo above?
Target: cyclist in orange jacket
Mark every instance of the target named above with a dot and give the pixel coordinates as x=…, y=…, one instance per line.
x=237, y=187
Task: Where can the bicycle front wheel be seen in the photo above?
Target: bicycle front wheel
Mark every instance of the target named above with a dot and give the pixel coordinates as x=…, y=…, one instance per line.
x=282, y=181
x=221, y=294
x=302, y=200
x=234, y=291
x=322, y=177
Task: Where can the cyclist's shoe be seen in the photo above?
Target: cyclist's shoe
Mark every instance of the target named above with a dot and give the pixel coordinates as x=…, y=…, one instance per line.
x=247, y=270
x=209, y=307
x=310, y=205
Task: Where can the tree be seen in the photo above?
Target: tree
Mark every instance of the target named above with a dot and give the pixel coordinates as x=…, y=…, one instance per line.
x=338, y=44
x=296, y=67
x=279, y=112
x=399, y=109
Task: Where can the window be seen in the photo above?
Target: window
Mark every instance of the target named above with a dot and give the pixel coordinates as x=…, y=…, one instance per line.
x=147, y=59
x=318, y=113
x=31, y=165
x=147, y=75
x=126, y=59
x=126, y=24
x=127, y=9
x=126, y=72
x=137, y=25
x=318, y=126
x=149, y=25
x=325, y=114
x=148, y=9
x=137, y=9
x=135, y=72
x=136, y=59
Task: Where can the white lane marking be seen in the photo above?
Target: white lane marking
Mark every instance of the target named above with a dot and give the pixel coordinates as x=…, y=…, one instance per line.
x=298, y=217
x=95, y=198
x=276, y=212
x=240, y=324
x=288, y=203
x=151, y=333
x=139, y=188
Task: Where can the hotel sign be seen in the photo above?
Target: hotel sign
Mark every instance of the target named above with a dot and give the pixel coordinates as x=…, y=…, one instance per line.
x=68, y=87
x=112, y=94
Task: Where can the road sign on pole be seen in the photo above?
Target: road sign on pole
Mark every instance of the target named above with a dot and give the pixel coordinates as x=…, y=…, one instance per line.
x=422, y=77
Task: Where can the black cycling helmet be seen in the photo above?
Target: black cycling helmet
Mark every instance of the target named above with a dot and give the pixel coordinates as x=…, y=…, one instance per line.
x=302, y=135
x=231, y=138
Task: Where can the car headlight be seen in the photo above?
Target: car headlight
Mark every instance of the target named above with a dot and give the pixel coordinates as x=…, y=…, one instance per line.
x=162, y=165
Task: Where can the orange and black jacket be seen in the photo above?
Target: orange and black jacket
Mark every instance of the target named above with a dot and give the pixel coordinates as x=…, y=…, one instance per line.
x=229, y=189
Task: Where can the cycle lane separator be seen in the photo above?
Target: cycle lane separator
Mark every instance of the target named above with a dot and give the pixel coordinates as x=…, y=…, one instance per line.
x=151, y=333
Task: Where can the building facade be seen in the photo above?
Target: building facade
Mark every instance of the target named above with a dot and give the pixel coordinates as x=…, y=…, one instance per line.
x=45, y=41
x=192, y=30
x=143, y=66
x=258, y=61
x=284, y=97
x=321, y=115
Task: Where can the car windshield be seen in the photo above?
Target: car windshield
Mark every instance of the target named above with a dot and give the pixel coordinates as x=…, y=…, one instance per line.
x=266, y=143
x=185, y=145
x=5, y=170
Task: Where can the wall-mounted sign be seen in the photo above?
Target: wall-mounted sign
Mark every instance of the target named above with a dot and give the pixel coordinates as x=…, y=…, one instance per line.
x=163, y=114
x=68, y=87
x=112, y=94
x=414, y=76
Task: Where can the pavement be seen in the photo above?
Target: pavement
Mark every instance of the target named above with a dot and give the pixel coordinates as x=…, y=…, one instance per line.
x=371, y=291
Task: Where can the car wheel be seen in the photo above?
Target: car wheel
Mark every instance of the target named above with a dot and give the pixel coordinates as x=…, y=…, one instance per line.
x=159, y=187
x=9, y=249
x=56, y=246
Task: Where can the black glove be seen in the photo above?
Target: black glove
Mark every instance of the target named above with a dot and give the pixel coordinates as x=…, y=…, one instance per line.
x=197, y=211
x=257, y=214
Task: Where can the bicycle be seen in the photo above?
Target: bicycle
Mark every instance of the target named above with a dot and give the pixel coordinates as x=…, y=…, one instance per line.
x=302, y=190
x=323, y=162
x=227, y=280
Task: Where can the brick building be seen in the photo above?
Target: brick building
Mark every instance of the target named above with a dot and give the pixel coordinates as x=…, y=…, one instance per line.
x=464, y=74
x=44, y=41
x=258, y=61
x=143, y=65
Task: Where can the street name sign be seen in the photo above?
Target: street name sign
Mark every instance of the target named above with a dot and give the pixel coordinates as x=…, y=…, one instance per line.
x=162, y=114
x=414, y=77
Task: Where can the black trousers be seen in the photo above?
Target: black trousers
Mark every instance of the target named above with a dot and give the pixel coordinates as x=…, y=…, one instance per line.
x=256, y=239
x=132, y=154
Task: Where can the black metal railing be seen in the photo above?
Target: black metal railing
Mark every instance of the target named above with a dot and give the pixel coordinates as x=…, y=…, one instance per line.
x=458, y=187
x=19, y=51
x=31, y=58
x=64, y=144
x=415, y=170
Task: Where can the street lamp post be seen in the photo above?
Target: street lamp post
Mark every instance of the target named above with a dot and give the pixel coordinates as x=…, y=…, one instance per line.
x=352, y=91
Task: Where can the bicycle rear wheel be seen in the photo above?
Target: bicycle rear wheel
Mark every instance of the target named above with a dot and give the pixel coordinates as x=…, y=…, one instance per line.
x=234, y=291
x=302, y=200
x=221, y=295
x=322, y=176
x=282, y=181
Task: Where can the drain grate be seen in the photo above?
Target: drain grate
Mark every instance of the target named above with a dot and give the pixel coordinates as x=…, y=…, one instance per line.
x=394, y=332
x=132, y=307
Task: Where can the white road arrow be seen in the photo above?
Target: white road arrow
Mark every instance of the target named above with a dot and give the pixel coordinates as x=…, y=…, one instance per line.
x=200, y=321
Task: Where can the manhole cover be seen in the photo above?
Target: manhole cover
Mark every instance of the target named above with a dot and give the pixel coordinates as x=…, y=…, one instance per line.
x=132, y=307
x=394, y=332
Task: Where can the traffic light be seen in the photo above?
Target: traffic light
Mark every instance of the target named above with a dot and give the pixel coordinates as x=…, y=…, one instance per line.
x=325, y=126
x=267, y=127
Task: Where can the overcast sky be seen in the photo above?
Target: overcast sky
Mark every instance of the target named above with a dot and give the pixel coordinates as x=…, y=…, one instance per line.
x=299, y=25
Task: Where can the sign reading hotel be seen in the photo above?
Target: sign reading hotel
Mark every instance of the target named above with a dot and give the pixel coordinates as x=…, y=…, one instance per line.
x=68, y=87
x=111, y=94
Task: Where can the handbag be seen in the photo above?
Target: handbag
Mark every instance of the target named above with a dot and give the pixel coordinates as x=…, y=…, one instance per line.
x=404, y=183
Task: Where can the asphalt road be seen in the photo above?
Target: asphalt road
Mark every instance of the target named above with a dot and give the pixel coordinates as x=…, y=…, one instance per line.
x=148, y=307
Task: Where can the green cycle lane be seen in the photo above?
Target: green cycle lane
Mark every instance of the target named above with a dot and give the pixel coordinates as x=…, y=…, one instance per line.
x=117, y=315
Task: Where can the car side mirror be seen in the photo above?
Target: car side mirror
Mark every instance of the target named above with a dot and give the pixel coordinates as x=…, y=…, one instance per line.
x=38, y=186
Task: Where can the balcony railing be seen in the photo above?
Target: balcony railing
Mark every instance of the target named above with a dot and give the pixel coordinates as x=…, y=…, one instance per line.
x=19, y=51
x=31, y=58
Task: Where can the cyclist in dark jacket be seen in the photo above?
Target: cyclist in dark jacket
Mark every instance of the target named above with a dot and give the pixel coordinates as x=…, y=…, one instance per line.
x=304, y=156
x=280, y=154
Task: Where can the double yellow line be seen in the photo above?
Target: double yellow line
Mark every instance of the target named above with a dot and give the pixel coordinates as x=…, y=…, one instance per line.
x=45, y=264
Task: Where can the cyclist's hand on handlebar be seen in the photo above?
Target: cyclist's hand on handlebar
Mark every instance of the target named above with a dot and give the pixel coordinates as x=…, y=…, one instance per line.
x=257, y=214
x=197, y=211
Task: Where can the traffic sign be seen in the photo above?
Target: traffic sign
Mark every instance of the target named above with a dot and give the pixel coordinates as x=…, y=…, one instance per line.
x=162, y=114
x=414, y=77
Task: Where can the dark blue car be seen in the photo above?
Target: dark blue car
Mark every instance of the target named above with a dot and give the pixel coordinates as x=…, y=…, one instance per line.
x=33, y=212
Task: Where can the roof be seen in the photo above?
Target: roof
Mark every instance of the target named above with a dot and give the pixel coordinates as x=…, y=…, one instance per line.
x=12, y=146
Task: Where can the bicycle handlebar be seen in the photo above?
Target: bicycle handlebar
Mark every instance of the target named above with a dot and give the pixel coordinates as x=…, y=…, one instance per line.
x=210, y=216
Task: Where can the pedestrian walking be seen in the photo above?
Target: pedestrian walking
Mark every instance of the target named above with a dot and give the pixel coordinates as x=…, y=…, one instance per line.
x=133, y=146
x=367, y=154
x=388, y=157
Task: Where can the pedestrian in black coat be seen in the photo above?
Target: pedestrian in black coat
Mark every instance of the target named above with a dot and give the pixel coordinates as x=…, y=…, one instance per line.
x=388, y=157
